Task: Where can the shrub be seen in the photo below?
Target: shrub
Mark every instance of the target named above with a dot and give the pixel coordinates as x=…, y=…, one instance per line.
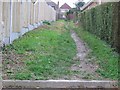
x=103, y=22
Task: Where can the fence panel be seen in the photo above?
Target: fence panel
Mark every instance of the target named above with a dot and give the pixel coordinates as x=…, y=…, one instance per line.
x=18, y=15
x=6, y=21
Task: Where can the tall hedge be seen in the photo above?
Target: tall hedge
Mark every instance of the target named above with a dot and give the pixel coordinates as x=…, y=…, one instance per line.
x=103, y=22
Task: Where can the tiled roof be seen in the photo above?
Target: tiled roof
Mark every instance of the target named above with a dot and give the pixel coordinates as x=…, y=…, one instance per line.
x=65, y=6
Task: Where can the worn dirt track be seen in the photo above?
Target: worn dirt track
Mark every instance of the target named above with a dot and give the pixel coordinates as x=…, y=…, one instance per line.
x=87, y=69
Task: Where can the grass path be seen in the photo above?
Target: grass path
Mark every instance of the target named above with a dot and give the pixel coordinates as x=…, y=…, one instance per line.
x=44, y=53
x=86, y=68
x=55, y=52
x=100, y=53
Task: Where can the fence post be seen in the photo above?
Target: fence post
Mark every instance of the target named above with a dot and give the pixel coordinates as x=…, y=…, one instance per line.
x=0, y=23
x=11, y=18
x=0, y=44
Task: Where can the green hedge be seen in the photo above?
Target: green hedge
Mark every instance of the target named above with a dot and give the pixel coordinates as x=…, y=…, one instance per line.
x=103, y=22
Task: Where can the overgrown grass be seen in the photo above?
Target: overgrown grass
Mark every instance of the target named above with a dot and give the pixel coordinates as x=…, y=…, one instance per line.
x=104, y=54
x=47, y=53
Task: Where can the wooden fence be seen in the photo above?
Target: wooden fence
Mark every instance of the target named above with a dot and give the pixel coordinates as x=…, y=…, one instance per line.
x=17, y=18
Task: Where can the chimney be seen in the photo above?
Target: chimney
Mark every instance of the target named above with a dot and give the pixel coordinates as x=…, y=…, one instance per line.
x=58, y=4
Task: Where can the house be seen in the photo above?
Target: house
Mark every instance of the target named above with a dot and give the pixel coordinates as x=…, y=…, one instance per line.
x=52, y=4
x=63, y=9
x=91, y=4
x=55, y=6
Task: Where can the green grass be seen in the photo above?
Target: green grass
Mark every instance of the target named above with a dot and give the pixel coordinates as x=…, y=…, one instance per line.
x=47, y=53
x=105, y=56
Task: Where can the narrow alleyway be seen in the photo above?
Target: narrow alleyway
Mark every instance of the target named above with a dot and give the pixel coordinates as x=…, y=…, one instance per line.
x=49, y=52
x=51, y=56
x=46, y=45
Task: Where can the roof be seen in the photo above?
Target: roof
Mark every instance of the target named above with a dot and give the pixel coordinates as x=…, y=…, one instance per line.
x=52, y=4
x=65, y=6
x=88, y=4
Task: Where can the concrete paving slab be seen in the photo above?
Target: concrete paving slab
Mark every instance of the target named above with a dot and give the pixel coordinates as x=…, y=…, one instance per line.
x=59, y=84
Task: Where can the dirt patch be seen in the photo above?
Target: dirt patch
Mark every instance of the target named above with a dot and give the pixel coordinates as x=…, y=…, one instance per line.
x=86, y=68
x=11, y=63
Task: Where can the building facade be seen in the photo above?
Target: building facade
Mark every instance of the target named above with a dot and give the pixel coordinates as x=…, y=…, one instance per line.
x=63, y=9
x=54, y=6
x=92, y=3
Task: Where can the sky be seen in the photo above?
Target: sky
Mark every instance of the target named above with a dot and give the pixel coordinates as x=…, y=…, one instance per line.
x=69, y=2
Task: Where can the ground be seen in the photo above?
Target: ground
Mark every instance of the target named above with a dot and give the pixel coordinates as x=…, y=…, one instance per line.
x=86, y=68
x=55, y=51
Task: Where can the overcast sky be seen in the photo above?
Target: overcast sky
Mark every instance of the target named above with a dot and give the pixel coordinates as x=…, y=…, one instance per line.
x=70, y=2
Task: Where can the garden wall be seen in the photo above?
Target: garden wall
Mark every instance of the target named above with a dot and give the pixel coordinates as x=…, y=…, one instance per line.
x=103, y=21
x=20, y=16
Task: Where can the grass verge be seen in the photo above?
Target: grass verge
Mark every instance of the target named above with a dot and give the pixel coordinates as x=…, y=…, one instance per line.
x=44, y=53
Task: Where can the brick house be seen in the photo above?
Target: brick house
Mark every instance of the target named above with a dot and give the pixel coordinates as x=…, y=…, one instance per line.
x=63, y=9
x=91, y=4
